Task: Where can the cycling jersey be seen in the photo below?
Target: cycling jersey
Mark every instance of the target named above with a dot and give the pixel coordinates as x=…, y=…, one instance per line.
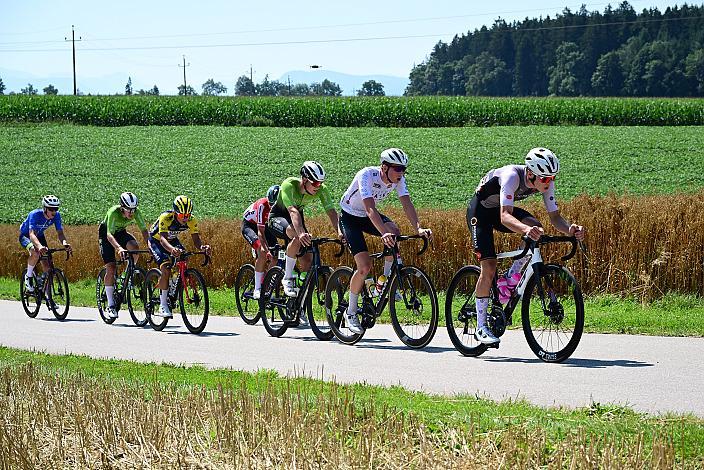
x=38, y=223
x=290, y=195
x=115, y=221
x=502, y=186
x=258, y=212
x=367, y=183
x=167, y=226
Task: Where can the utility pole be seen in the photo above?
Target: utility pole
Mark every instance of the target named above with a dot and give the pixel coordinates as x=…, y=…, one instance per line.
x=289, y=85
x=185, y=87
x=73, y=45
x=251, y=75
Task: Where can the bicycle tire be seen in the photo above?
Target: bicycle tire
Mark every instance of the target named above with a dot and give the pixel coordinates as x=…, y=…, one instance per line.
x=315, y=303
x=336, y=302
x=152, y=284
x=244, y=285
x=31, y=301
x=273, y=315
x=461, y=321
x=556, y=320
x=58, y=290
x=196, y=296
x=101, y=298
x=412, y=281
x=136, y=294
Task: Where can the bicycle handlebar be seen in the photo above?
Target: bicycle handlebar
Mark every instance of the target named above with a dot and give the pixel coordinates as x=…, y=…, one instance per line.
x=401, y=238
x=322, y=241
x=187, y=254
x=49, y=251
x=546, y=239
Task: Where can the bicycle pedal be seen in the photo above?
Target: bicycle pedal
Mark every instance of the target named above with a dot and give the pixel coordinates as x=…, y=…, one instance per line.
x=493, y=346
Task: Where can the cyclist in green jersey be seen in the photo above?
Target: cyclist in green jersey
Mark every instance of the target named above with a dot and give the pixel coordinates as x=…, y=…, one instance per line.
x=113, y=237
x=287, y=221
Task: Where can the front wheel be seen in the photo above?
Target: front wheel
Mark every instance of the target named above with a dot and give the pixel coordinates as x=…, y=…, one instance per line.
x=415, y=316
x=553, y=313
x=153, y=292
x=31, y=301
x=101, y=298
x=137, y=296
x=57, y=294
x=461, y=311
x=337, y=298
x=193, y=299
x=272, y=303
x=315, y=306
x=247, y=307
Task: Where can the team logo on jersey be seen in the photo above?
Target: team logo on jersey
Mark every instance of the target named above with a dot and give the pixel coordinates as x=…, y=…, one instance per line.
x=473, y=221
x=376, y=185
x=508, y=196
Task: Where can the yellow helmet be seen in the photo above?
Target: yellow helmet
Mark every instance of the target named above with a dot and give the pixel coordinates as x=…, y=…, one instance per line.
x=183, y=204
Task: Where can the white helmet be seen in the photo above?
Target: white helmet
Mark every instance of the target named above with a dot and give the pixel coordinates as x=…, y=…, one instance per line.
x=542, y=162
x=128, y=200
x=313, y=171
x=394, y=156
x=51, y=201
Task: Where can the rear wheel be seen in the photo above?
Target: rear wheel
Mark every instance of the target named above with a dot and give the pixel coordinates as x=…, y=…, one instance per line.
x=58, y=295
x=247, y=307
x=273, y=301
x=153, y=292
x=137, y=296
x=193, y=299
x=337, y=298
x=101, y=298
x=415, y=316
x=31, y=301
x=553, y=314
x=461, y=311
x=315, y=306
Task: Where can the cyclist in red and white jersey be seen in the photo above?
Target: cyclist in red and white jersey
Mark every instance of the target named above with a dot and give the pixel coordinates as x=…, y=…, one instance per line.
x=492, y=208
x=259, y=236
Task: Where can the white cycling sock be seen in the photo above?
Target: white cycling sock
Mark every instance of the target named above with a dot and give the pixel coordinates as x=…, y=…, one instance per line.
x=110, y=294
x=387, y=268
x=352, y=307
x=258, y=278
x=290, y=264
x=518, y=265
x=482, y=304
x=30, y=270
x=163, y=298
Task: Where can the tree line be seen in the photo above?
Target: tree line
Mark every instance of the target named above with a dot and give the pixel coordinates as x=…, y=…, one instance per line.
x=615, y=53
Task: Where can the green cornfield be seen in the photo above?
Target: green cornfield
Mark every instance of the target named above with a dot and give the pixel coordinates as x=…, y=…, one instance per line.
x=350, y=111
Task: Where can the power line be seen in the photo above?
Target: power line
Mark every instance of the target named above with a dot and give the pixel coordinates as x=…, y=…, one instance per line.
x=358, y=39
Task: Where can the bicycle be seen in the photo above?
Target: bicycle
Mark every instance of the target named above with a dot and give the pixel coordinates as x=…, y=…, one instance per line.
x=552, y=307
x=415, y=327
x=50, y=287
x=247, y=306
x=129, y=288
x=279, y=312
x=187, y=287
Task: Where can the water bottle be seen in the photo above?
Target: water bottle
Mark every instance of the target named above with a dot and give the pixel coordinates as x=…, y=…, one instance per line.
x=380, y=281
x=172, y=287
x=302, y=278
x=369, y=286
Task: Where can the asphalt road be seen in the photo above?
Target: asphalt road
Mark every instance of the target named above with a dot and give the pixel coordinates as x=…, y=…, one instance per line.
x=650, y=374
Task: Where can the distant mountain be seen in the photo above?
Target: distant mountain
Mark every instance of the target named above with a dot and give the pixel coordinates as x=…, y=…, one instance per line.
x=393, y=86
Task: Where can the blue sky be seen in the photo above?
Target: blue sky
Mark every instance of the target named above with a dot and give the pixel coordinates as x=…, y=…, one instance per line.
x=221, y=39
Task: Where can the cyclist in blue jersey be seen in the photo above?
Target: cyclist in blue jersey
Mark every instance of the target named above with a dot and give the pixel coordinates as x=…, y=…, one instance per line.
x=32, y=235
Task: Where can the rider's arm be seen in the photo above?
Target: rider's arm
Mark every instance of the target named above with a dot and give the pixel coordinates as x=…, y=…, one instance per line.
x=35, y=241
x=512, y=223
x=113, y=241
x=410, y=211
x=296, y=220
x=332, y=215
x=564, y=226
x=373, y=214
x=261, y=229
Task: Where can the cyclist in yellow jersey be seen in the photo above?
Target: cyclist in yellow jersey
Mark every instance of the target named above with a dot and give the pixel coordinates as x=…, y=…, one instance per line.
x=287, y=222
x=164, y=242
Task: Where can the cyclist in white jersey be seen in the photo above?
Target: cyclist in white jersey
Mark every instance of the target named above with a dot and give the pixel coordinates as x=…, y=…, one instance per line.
x=359, y=215
x=492, y=208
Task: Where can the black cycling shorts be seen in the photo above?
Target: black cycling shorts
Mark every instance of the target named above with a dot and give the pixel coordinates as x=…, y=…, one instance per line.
x=482, y=222
x=251, y=234
x=279, y=220
x=354, y=228
x=159, y=252
x=107, y=251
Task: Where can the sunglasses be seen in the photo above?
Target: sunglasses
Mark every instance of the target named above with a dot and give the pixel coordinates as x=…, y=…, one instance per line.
x=546, y=179
x=315, y=184
x=183, y=216
x=52, y=209
x=399, y=168
x=129, y=211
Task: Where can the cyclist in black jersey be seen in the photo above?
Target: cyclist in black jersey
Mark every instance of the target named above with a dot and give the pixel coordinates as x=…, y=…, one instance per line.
x=491, y=208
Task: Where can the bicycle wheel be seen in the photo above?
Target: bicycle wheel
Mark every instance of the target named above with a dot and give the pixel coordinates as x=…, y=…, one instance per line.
x=337, y=298
x=553, y=314
x=101, y=298
x=57, y=294
x=272, y=304
x=415, y=318
x=193, y=299
x=152, y=287
x=243, y=288
x=461, y=311
x=137, y=296
x=31, y=301
x=315, y=306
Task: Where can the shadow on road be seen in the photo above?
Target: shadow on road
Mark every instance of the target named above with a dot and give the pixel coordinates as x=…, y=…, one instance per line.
x=80, y=320
x=205, y=333
x=584, y=363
